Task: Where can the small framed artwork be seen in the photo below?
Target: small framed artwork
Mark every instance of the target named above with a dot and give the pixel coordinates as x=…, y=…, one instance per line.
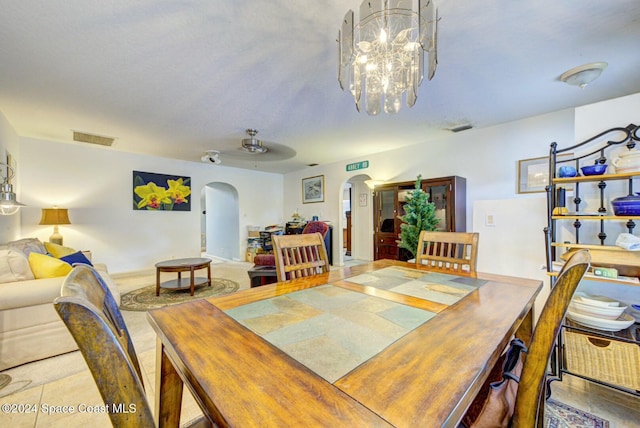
x=533, y=174
x=313, y=189
x=363, y=199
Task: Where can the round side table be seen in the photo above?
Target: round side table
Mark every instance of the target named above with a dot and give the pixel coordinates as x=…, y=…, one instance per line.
x=179, y=266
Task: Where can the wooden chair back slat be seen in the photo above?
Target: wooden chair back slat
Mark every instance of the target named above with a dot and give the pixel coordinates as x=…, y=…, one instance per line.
x=448, y=251
x=299, y=256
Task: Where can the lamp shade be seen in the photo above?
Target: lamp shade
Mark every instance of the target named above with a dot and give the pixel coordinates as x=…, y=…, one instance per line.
x=54, y=216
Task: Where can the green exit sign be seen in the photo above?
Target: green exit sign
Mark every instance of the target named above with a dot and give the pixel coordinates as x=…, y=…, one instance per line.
x=357, y=165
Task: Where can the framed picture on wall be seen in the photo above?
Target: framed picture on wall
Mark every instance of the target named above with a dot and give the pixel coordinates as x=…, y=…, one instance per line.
x=313, y=189
x=161, y=192
x=533, y=174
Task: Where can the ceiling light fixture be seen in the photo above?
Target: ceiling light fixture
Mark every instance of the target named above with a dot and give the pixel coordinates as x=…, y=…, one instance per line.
x=253, y=145
x=583, y=75
x=383, y=55
x=8, y=203
x=212, y=156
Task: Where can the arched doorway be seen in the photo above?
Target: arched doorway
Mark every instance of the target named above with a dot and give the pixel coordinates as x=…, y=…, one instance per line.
x=220, y=224
x=356, y=220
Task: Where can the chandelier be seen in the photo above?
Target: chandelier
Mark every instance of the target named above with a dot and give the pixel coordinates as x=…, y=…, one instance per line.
x=382, y=57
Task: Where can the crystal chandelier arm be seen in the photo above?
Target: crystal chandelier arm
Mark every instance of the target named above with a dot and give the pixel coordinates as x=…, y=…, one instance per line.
x=345, y=48
x=433, y=53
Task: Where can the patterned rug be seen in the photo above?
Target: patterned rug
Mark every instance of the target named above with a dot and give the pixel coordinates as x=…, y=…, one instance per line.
x=560, y=415
x=145, y=298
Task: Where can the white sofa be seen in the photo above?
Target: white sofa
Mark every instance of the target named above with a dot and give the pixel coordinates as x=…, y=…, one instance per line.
x=30, y=328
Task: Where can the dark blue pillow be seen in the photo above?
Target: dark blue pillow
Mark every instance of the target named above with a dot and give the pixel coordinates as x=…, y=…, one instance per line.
x=76, y=258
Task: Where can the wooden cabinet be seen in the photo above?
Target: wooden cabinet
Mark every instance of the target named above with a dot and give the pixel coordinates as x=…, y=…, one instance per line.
x=586, y=221
x=447, y=193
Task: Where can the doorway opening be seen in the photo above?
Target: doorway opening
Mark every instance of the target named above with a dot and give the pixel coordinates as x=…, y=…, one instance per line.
x=220, y=224
x=356, y=221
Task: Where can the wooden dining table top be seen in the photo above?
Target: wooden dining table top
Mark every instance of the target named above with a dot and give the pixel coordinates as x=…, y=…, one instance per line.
x=243, y=374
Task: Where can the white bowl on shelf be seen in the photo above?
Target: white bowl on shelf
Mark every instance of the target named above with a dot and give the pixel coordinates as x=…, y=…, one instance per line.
x=624, y=321
x=634, y=310
x=607, y=312
x=601, y=301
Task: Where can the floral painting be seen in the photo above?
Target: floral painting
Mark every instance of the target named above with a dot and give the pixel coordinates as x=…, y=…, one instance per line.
x=161, y=192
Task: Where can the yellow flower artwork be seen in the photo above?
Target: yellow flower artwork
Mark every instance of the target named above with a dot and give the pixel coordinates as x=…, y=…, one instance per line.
x=160, y=192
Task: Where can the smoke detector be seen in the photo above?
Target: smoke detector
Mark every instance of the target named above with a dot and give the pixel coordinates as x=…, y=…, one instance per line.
x=212, y=156
x=253, y=145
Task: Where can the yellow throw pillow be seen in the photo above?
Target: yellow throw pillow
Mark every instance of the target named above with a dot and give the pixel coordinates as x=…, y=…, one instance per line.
x=58, y=251
x=44, y=266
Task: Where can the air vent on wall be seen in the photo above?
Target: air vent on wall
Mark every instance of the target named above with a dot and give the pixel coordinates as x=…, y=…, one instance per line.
x=83, y=137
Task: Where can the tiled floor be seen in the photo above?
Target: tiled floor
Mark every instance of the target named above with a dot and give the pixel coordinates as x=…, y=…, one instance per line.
x=65, y=381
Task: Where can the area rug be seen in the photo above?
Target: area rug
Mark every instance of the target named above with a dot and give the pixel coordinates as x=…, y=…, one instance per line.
x=560, y=415
x=145, y=298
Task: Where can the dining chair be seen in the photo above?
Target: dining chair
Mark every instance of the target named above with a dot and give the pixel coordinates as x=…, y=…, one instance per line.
x=299, y=256
x=532, y=385
x=93, y=318
x=258, y=275
x=448, y=251
x=527, y=410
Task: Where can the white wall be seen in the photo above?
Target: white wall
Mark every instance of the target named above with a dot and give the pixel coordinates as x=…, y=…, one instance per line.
x=95, y=184
x=487, y=158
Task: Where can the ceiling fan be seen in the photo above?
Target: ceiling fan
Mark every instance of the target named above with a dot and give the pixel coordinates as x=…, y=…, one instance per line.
x=252, y=150
x=253, y=145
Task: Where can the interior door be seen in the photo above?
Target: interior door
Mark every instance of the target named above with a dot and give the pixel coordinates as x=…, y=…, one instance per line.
x=385, y=213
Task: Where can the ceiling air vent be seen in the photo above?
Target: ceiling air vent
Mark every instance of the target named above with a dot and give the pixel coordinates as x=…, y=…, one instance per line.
x=461, y=128
x=83, y=137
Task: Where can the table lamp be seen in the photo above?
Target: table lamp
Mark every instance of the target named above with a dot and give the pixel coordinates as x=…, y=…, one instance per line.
x=54, y=217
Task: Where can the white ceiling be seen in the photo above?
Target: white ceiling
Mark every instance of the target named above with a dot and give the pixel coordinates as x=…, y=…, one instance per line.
x=175, y=78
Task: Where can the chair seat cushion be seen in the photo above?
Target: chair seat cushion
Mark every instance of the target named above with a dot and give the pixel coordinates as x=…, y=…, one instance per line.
x=264, y=260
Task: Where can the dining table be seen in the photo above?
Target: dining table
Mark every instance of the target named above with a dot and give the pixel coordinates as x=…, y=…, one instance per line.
x=380, y=344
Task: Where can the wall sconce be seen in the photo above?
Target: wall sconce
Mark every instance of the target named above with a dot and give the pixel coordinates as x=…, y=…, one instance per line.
x=371, y=184
x=53, y=217
x=8, y=203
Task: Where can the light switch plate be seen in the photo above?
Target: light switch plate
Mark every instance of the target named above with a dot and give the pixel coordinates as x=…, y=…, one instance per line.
x=490, y=219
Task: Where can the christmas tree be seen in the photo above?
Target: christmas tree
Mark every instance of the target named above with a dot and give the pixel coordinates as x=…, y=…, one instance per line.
x=419, y=215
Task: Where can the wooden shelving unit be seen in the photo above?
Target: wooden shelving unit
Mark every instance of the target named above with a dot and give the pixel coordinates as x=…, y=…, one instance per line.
x=596, y=148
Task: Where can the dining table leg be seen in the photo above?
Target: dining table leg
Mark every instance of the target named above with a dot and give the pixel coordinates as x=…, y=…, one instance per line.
x=525, y=330
x=168, y=390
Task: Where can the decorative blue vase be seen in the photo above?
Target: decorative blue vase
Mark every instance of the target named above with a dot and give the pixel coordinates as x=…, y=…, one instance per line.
x=567, y=171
